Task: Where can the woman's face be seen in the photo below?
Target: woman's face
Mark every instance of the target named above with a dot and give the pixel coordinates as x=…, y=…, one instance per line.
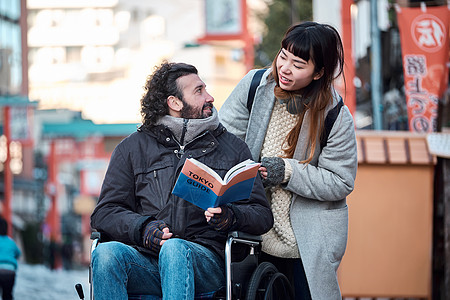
x=294, y=73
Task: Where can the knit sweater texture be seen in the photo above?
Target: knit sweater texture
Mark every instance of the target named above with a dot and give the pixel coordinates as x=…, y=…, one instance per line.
x=280, y=240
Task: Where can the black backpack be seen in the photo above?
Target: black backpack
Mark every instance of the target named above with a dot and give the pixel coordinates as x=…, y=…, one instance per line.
x=329, y=120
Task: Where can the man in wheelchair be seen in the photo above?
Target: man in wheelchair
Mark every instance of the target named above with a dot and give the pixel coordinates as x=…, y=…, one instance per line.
x=160, y=244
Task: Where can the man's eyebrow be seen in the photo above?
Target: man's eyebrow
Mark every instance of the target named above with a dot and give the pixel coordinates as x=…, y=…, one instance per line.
x=200, y=86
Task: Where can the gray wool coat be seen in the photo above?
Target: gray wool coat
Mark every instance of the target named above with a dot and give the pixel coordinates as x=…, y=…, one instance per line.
x=319, y=213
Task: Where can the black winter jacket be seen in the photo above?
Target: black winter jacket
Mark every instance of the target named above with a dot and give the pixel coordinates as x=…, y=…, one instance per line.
x=140, y=177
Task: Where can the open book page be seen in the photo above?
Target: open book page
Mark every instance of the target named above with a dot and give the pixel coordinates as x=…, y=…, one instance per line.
x=206, y=168
x=243, y=174
x=240, y=167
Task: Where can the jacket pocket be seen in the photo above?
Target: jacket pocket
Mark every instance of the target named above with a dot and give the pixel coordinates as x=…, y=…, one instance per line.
x=334, y=224
x=153, y=186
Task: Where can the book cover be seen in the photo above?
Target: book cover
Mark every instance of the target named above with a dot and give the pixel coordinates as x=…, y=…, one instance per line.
x=202, y=186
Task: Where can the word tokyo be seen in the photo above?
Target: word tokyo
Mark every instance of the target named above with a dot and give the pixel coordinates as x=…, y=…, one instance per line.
x=198, y=179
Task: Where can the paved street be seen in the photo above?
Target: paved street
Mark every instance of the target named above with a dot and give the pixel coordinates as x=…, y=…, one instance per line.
x=36, y=282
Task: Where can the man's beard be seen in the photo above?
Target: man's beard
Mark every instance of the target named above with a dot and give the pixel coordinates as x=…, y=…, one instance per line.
x=190, y=112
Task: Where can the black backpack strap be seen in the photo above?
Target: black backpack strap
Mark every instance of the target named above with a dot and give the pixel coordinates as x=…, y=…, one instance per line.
x=329, y=122
x=253, y=86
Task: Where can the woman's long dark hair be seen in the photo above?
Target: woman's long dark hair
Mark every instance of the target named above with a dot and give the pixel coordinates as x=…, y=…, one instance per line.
x=322, y=44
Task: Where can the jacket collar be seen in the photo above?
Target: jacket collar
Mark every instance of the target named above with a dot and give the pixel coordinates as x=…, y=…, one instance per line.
x=164, y=133
x=185, y=130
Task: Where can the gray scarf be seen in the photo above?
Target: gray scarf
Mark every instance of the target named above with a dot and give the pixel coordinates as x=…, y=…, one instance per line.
x=296, y=105
x=185, y=130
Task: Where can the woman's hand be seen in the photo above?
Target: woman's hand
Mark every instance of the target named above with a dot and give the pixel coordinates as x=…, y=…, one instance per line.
x=263, y=172
x=272, y=171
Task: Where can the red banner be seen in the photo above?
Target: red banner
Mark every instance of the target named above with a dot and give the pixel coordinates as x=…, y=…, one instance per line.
x=425, y=49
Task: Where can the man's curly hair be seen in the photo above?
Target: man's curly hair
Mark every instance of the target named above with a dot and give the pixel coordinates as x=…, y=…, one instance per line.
x=159, y=86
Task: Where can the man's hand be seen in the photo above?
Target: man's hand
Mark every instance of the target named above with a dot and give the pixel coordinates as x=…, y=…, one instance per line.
x=155, y=235
x=221, y=218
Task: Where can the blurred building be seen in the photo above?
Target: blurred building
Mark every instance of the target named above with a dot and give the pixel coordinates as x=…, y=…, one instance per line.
x=94, y=56
x=359, y=25
x=75, y=153
x=17, y=185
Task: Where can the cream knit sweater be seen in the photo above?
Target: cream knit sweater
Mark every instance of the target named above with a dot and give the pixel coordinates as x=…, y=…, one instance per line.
x=280, y=240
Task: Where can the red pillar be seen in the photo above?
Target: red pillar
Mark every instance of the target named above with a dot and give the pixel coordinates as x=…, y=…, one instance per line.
x=8, y=176
x=85, y=216
x=249, y=51
x=244, y=36
x=53, y=218
x=349, y=67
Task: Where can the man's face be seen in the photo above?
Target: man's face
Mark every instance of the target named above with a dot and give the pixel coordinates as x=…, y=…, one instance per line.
x=197, y=103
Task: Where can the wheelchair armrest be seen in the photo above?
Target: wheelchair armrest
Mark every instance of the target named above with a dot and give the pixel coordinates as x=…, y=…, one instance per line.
x=96, y=235
x=100, y=236
x=245, y=236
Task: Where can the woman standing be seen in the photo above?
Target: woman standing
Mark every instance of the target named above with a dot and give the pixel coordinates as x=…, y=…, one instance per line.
x=306, y=179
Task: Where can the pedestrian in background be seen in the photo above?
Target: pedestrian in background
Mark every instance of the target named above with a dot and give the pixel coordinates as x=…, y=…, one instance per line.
x=307, y=173
x=9, y=253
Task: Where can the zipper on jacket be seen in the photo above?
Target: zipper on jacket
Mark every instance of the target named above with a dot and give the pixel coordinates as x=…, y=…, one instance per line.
x=180, y=152
x=183, y=132
x=158, y=186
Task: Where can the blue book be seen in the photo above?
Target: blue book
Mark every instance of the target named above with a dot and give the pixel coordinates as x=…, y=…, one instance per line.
x=202, y=186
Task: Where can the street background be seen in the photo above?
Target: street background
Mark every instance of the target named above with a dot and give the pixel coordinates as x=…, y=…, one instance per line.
x=39, y=282
x=72, y=75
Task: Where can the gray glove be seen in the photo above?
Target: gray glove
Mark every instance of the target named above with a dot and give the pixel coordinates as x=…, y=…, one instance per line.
x=275, y=171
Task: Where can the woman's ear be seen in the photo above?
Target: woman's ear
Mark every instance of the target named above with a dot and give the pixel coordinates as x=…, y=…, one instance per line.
x=174, y=103
x=318, y=75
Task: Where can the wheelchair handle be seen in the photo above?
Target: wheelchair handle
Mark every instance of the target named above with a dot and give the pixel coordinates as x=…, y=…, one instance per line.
x=245, y=236
x=237, y=237
x=79, y=289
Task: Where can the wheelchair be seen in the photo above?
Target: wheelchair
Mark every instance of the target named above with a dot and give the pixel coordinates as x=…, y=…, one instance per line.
x=246, y=277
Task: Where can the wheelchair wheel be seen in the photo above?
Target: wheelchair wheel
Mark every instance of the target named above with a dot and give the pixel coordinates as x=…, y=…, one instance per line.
x=267, y=283
x=278, y=287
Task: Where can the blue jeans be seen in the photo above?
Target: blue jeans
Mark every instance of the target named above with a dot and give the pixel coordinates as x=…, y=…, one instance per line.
x=184, y=269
